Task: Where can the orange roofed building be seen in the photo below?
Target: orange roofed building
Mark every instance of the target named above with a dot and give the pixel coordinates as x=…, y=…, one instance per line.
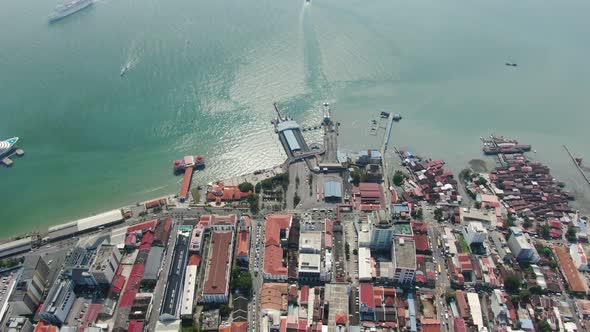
x=243, y=246
x=277, y=234
x=219, y=192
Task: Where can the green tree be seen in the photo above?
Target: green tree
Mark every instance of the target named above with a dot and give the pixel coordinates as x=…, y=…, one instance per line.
x=571, y=234
x=525, y=295
x=355, y=252
x=252, y=200
x=477, y=204
x=438, y=214
x=355, y=177
x=512, y=283
x=296, y=200
x=544, y=231
x=466, y=174
x=527, y=224
x=543, y=326
x=347, y=250
x=546, y=251
x=246, y=187
x=398, y=178
x=450, y=296
x=481, y=181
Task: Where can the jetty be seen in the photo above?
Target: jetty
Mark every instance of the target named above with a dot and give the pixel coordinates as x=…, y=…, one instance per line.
x=577, y=164
x=6, y=161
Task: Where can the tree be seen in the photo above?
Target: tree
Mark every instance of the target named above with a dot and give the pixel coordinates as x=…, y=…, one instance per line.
x=438, y=214
x=252, y=200
x=296, y=200
x=544, y=231
x=525, y=295
x=543, y=326
x=466, y=174
x=477, y=204
x=571, y=234
x=450, y=296
x=355, y=177
x=347, y=250
x=527, y=224
x=512, y=283
x=246, y=187
x=481, y=181
x=546, y=251
x=398, y=178
x=355, y=252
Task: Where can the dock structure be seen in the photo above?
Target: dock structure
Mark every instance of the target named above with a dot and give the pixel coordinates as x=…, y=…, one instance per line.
x=576, y=164
x=186, y=183
x=384, y=147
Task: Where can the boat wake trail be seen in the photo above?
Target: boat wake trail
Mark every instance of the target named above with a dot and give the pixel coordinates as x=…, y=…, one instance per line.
x=132, y=59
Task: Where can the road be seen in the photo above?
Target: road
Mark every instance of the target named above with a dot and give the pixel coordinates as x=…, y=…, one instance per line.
x=163, y=279
x=256, y=242
x=442, y=279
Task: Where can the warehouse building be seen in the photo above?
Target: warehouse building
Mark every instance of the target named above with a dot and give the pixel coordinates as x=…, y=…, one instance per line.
x=218, y=268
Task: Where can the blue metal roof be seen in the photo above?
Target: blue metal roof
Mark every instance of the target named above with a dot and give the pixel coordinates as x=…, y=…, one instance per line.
x=291, y=140
x=332, y=189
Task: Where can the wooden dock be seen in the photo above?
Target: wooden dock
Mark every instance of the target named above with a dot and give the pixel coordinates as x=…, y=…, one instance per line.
x=576, y=164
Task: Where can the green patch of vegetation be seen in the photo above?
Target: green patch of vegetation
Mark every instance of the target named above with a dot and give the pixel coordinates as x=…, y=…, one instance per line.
x=571, y=234
x=466, y=174
x=544, y=231
x=252, y=200
x=347, y=250
x=527, y=224
x=241, y=280
x=417, y=213
x=543, y=326
x=281, y=180
x=296, y=200
x=398, y=178
x=481, y=181
x=512, y=283
x=450, y=296
x=10, y=262
x=196, y=195
x=464, y=246
x=438, y=214
x=477, y=204
x=246, y=187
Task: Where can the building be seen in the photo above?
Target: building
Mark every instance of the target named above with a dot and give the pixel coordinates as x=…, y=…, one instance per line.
x=59, y=301
x=153, y=264
x=218, y=268
x=84, y=225
x=30, y=287
x=499, y=307
x=275, y=243
x=579, y=257
x=520, y=246
x=243, y=245
x=16, y=247
x=18, y=324
x=570, y=271
x=483, y=216
x=501, y=246
x=370, y=193
x=403, y=256
x=196, y=244
x=105, y=264
x=333, y=191
x=188, y=292
x=311, y=257
x=365, y=264
x=219, y=192
x=474, y=233
x=475, y=310
x=366, y=302
x=381, y=229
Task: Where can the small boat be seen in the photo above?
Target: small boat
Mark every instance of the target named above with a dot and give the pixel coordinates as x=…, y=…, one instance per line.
x=511, y=64
x=125, y=69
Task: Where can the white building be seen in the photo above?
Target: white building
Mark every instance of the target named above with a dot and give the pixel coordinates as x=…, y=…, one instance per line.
x=521, y=248
x=403, y=256
x=474, y=233
x=365, y=264
x=475, y=310
x=105, y=264
x=499, y=307
x=188, y=292
x=579, y=257
x=311, y=257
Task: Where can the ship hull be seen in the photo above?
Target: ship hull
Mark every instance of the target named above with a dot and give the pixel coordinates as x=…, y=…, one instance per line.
x=59, y=16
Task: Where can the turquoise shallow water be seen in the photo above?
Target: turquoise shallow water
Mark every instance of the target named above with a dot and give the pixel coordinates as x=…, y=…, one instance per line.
x=205, y=75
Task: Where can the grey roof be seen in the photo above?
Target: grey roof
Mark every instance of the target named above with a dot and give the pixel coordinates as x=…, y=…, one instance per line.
x=153, y=263
x=291, y=140
x=332, y=189
x=405, y=253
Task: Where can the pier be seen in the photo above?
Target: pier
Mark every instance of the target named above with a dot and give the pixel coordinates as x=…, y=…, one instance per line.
x=386, y=177
x=576, y=163
x=6, y=161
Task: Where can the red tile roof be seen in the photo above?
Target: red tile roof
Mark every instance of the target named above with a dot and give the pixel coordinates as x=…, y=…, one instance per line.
x=273, y=260
x=304, y=294
x=274, y=224
x=421, y=242
x=459, y=325
x=243, y=244
x=368, y=186
x=430, y=325
x=45, y=327
x=329, y=225
x=144, y=226
x=366, y=295
x=135, y=326
x=216, y=280
x=340, y=319
x=462, y=304
x=186, y=182
x=569, y=270
x=194, y=259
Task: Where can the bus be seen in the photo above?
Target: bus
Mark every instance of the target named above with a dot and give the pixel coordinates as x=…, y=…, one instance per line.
x=439, y=269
